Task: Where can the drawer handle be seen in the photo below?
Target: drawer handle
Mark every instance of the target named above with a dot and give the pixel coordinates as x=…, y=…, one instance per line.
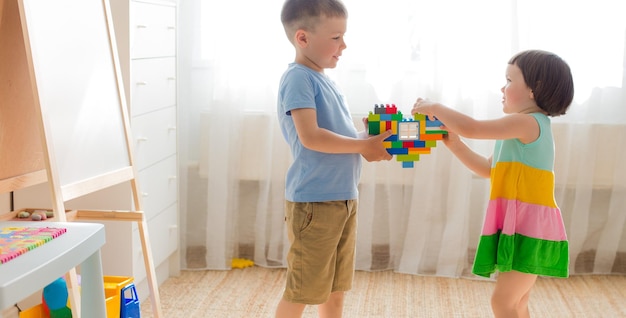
x=142, y=139
x=171, y=178
x=171, y=27
x=171, y=128
x=144, y=194
x=141, y=26
x=171, y=78
x=142, y=83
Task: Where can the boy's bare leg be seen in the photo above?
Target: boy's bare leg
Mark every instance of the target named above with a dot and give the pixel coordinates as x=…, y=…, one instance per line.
x=333, y=307
x=510, y=297
x=287, y=309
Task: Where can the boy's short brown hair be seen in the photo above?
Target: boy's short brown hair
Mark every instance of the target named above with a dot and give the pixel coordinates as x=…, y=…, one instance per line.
x=305, y=14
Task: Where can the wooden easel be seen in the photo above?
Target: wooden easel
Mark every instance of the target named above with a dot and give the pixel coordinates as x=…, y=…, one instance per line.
x=32, y=130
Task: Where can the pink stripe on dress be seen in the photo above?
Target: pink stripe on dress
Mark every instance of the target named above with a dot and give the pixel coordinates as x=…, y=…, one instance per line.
x=524, y=218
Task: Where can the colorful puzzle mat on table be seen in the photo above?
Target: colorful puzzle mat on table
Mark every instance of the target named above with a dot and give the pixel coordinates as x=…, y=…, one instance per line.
x=15, y=241
x=411, y=136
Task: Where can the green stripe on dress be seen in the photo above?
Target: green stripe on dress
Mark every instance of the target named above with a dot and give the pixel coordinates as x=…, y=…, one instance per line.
x=521, y=253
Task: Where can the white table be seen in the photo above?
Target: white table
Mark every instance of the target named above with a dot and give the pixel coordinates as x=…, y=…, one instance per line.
x=32, y=271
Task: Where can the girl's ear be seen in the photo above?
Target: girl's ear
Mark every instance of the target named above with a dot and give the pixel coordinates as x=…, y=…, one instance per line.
x=301, y=38
x=532, y=92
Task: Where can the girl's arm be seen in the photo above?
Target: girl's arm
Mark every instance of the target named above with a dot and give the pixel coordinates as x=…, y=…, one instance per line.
x=323, y=140
x=472, y=160
x=521, y=126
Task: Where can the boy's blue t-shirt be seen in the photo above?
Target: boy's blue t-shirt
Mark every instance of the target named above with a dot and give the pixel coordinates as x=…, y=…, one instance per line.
x=315, y=176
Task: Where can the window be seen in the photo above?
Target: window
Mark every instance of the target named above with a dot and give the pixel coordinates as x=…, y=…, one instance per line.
x=409, y=130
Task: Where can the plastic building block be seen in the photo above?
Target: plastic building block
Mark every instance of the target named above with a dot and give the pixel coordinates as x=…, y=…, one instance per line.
x=410, y=138
x=121, y=297
x=55, y=299
x=130, y=307
x=241, y=263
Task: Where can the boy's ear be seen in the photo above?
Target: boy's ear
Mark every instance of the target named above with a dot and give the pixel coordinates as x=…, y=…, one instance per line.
x=301, y=38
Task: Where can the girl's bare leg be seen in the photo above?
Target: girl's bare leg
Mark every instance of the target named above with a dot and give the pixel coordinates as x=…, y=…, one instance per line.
x=510, y=297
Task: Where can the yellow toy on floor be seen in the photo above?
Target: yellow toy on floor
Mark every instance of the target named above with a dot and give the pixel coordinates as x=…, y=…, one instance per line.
x=241, y=263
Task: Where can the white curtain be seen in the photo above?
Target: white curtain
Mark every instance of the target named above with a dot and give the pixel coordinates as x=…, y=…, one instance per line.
x=423, y=220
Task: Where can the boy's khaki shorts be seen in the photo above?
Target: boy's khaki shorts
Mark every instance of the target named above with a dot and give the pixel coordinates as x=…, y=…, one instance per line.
x=321, y=256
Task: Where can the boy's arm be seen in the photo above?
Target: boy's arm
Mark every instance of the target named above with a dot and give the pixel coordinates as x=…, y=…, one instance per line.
x=323, y=140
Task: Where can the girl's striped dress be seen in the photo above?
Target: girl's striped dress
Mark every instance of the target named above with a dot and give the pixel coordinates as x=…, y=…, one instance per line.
x=523, y=228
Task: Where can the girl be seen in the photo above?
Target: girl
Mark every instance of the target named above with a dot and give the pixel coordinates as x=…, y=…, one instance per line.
x=523, y=234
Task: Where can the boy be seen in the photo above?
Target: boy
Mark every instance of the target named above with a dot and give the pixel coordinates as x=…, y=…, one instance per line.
x=321, y=184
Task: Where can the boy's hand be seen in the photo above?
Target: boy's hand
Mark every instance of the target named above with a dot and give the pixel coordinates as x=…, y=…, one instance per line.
x=374, y=149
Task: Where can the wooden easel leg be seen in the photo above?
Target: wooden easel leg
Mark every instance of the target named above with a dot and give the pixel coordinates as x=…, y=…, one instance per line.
x=73, y=292
x=150, y=271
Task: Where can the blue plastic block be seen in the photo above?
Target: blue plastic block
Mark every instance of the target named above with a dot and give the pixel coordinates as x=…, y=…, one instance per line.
x=433, y=123
x=398, y=151
x=130, y=302
x=420, y=144
x=392, y=138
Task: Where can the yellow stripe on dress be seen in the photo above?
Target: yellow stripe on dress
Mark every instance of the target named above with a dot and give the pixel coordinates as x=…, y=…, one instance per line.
x=517, y=181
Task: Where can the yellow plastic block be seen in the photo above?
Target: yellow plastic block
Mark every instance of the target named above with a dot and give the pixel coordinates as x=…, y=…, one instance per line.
x=33, y=312
x=419, y=151
x=113, y=293
x=241, y=263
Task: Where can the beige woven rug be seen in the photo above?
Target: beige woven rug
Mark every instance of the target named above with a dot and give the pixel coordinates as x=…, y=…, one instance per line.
x=254, y=292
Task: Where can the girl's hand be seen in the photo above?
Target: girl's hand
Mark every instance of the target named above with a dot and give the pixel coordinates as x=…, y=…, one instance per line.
x=450, y=139
x=423, y=106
